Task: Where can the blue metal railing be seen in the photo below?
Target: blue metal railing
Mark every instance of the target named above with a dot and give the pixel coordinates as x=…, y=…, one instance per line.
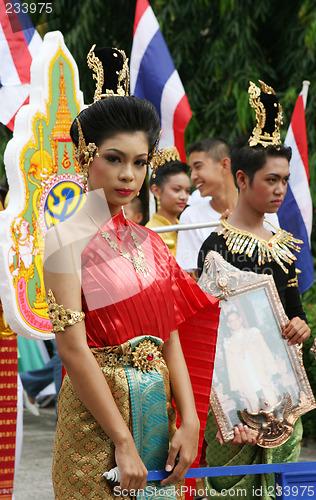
x=293, y=480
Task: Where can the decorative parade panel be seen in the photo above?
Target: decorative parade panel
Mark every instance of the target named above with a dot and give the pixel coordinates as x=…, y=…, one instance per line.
x=43, y=182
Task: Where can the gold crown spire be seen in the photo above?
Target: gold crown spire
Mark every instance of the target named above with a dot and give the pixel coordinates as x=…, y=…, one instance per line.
x=122, y=84
x=63, y=115
x=268, y=115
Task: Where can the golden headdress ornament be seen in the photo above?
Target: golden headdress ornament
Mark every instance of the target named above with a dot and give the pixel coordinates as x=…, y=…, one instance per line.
x=169, y=153
x=115, y=81
x=110, y=67
x=268, y=115
x=156, y=158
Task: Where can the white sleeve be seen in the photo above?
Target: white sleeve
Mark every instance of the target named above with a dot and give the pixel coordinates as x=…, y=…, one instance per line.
x=188, y=245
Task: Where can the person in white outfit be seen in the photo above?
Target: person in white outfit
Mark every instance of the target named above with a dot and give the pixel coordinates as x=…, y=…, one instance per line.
x=210, y=169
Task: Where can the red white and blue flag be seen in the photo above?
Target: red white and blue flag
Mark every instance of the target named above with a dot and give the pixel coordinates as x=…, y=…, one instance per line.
x=19, y=43
x=296, y=212
x=155, y=78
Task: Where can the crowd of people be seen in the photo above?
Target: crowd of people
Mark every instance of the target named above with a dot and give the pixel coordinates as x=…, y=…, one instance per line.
x=132, y=325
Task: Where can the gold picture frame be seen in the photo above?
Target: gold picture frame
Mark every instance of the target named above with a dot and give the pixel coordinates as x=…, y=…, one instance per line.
x=259, y=379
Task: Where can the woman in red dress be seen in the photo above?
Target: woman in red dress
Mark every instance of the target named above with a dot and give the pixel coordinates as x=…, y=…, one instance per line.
x=118, y=303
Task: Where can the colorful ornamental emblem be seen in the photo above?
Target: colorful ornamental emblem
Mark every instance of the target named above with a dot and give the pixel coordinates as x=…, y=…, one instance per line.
x=44, y=185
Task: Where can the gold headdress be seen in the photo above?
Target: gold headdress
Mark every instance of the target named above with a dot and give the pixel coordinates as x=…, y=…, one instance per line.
x=170, y=153
x=268, y=115
x=113, y=82
x=116, y=80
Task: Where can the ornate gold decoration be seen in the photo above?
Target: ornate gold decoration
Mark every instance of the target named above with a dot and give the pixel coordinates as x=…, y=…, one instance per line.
x=161, y=156
x=293, y=282
x=144, y=355
x=171, y=154
x=259, y=136
x=63, y=115
x=139, y=262
x=59, y=316
x=158, y=202
x=277, y=248
x=114, y=355
x=228, y=283
x=156, y=158
x=95, y=64
x=89, y=153
x=273, y=423
x=5, y=330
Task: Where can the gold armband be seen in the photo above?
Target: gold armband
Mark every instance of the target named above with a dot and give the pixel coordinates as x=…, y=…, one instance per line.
x=292, y=282
x=61, y=317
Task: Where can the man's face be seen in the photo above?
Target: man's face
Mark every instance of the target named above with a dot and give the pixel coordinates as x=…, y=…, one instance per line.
x=206, y=173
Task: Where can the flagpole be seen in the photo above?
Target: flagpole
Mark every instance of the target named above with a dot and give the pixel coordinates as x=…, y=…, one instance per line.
x=306, y=84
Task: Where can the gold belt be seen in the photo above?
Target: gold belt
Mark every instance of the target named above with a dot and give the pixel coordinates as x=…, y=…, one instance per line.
x=144, y=356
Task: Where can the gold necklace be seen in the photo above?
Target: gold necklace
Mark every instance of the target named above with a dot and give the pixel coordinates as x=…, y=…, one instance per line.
x=139, y=262
x=277, y=248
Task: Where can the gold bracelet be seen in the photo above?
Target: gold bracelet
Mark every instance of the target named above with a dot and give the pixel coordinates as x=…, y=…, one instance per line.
x=61, y=317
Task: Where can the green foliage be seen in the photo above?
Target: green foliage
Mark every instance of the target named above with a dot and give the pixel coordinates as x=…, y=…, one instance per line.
x=309, y=303
x=5, y=136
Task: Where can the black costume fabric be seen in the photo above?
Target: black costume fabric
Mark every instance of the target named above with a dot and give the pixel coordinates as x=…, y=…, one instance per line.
x=250, y=486
x=289, y=296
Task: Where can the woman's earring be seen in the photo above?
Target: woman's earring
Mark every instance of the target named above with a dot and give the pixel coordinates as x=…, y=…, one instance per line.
x=138, y=193
x=89, y=153
x=158, y=202
x=85, y=175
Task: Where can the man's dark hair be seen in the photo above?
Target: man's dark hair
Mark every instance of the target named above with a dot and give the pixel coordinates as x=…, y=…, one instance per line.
x=215, y=147
x=251, y=159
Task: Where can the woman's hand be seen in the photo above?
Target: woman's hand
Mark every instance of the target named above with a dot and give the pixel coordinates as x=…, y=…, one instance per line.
x=184, y=445
x=296, y=331
x=243, y=435
x=132, y=469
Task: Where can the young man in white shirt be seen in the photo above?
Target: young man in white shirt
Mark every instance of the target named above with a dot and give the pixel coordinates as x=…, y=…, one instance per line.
x=209, y=162
x=210, y=168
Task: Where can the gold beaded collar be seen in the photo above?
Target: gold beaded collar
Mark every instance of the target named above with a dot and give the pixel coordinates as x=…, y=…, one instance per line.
x=277, y=248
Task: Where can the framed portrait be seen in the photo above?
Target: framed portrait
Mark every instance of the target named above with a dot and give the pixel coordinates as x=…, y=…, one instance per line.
x=258, y=379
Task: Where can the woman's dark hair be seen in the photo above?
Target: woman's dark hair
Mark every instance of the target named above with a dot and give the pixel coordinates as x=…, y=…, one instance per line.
x=251, y=159
x=168, y=169
x=114, y=115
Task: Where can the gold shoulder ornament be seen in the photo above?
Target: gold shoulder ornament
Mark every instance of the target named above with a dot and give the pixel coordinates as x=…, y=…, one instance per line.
x=278, y=248
x=61, y=317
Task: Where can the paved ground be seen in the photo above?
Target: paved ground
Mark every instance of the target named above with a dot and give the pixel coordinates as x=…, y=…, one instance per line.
x=33, y=480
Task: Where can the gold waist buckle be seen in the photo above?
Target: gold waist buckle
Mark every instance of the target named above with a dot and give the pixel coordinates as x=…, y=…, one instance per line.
x=144, y=356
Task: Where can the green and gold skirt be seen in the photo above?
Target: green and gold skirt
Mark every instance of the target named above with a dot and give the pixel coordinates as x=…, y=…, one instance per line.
x=82, y=450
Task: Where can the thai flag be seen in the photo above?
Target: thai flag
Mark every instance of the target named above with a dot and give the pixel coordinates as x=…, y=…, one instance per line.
x=296, y=212
x=154, y=77
x=19, y=43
